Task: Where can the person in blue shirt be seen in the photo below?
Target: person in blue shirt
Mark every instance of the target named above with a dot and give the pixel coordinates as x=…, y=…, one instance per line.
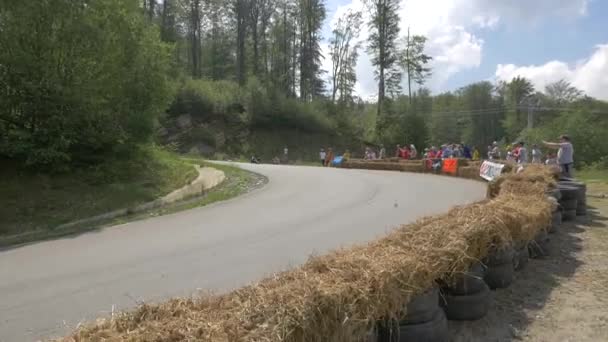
x=467, y=151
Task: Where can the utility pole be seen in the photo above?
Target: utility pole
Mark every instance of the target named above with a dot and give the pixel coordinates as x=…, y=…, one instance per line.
x=530, y=116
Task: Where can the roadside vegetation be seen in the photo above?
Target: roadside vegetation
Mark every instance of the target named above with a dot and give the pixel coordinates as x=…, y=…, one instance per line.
x=34, y=201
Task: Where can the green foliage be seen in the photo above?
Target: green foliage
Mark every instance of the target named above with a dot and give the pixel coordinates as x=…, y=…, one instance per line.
x=586, y=130
x=35, y=201
x=79, y=78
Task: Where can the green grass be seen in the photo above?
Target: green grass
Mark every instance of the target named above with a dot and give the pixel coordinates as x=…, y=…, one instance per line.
x=36, y=202
x=593, y=175
x=237, y=182
x=83, y=195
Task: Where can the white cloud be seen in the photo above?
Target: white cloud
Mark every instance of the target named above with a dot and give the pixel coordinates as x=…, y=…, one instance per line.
x=589, y=75
x=449, y=26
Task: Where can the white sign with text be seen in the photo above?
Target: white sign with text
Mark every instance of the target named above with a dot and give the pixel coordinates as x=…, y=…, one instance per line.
x=490, y=171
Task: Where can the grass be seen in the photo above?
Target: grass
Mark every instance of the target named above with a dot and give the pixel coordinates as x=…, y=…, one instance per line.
x=35, y=202
x=33, y=205
x=594, y=175
x=238, y=182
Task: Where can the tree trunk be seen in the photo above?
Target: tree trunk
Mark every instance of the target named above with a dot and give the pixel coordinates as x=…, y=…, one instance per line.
x=408, y=65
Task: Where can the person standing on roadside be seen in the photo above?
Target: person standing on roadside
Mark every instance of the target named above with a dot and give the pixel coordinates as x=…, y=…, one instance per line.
x=476, y=154
x=322, y=156
x=522, y=153
x=285, y=155
x=536, y=154
x=565, y=154
x=382, y=153
x=329, y=157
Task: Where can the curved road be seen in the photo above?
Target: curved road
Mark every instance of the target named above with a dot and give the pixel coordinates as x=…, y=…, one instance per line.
x=46, y=289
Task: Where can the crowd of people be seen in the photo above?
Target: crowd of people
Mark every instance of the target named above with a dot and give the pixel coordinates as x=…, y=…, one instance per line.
x=517, y=153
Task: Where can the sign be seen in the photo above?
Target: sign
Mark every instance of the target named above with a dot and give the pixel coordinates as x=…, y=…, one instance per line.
x=450, y=166
x=490, y=171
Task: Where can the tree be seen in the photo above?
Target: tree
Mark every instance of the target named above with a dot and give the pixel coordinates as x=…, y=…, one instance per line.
x=312, y=13
x=384, y=27
x=240, y=8
x=193, y=8
x=562, y=91
x=81, y=80
x=413, y=61
x=516, y=92
x=344, y=54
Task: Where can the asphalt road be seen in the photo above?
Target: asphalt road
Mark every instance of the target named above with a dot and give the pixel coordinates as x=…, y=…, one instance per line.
x=48, y=288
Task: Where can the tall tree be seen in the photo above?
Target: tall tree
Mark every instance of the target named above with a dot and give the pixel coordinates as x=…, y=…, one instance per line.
x=562, y=91
x=312, y=14
x=518, y=90
x=193, y=8
x=241, y=9
x=384, y=26
x=344, y=54
x=414, y=61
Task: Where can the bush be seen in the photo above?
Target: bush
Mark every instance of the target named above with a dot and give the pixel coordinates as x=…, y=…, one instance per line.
x=82, y=79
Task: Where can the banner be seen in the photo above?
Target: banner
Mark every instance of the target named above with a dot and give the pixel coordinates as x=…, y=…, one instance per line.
x=450, y=166
x=489, y=171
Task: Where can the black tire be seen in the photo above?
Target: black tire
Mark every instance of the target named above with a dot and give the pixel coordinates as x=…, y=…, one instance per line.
x=500, y=256
x=521, y=258
x=470, y=282
x=568, y=192
x=422, y=307
x=581, y=211
x=469, y=307
x=435, y=330
x=570, y=204
x=539, y=247
x=556, y=221
x=569, y=215
x=499, y=276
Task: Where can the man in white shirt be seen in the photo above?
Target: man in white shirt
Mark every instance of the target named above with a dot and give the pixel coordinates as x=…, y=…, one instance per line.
x=322, y=156
x=536, y=154
x=565, y=154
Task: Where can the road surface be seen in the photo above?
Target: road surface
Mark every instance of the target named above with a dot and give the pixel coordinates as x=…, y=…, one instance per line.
x=47, y=288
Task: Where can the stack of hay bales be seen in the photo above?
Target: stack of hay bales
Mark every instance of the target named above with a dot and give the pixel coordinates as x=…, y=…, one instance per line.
x=341, y=295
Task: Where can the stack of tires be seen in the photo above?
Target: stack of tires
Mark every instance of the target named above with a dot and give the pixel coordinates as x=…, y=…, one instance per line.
x=424, y=321
x=581, y=195
x=568, y=201
x=521, y=256
x=500, y=268
x=468, y=298
x=539, y=247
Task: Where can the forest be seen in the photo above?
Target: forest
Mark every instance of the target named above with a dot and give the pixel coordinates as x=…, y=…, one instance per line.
x=88, y=81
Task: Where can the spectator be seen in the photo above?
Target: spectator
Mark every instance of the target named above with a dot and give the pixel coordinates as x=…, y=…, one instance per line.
x=565, y=154
x=405, y=152
x=322, y=156
x=476, y=154
x=329, y=157
x=522, y=153
x=490, y=154
x=466, y=151
x=382, y=154
x=346, y=155
x=286, y=154
x=447, y=152
x=413, y=152
x=536, y=154
x=495, y=151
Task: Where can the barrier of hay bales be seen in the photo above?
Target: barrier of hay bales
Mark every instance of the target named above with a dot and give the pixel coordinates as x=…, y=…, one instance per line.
x=339, y=296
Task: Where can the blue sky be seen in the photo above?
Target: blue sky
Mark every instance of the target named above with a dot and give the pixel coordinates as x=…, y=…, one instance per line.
x=473, y=40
